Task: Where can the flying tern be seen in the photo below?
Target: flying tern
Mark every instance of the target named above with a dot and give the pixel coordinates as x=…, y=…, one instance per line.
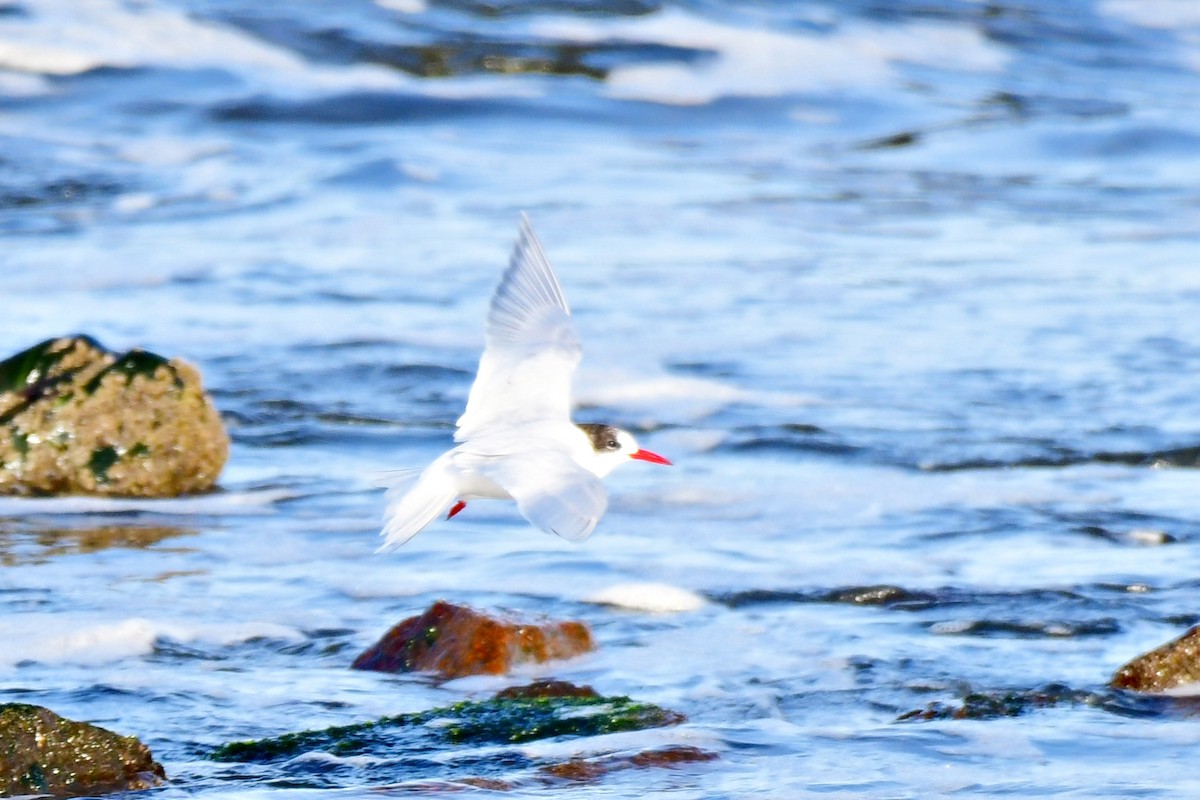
x=516, y=439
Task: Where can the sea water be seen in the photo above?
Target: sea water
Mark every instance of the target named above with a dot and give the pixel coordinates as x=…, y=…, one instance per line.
x=908, y=292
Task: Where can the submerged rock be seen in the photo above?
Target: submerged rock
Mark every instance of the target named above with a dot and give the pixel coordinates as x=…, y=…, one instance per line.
x=470, y=745
x=42, y=753
x=996, y=704
x=550, y=688
x=512, y=719
x=76, y=418
x=455, y=641
x=1171, y=666
x=586, y=770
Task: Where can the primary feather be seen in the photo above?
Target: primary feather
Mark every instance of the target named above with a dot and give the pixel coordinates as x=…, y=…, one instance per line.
x=532, y=348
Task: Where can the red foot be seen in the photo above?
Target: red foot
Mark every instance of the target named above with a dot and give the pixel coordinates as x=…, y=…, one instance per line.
x=457, y=507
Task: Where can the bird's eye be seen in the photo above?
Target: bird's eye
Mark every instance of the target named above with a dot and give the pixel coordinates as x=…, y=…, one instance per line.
x=611, y=444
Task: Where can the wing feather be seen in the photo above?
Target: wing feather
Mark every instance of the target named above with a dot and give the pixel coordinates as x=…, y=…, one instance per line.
x=532, y=347
x=553, y=492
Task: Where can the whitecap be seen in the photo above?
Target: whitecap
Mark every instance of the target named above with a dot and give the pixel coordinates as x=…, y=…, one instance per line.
x=84, y=639
x=1167, y=14
x=216, y=504
x=686, y=397
x=749, y=62
x=68, y=37
x=660, y=598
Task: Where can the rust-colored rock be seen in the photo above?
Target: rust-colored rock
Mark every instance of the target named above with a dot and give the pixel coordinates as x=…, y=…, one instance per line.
x=541, y=689
x=76, y=418
x=1174, y=664
x=454, y=641
x=587, y=770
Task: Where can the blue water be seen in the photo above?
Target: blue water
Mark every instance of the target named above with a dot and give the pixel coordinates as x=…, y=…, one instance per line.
x=908, y=292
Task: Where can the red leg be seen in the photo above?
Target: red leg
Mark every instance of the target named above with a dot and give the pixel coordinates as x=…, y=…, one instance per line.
x=457, y=507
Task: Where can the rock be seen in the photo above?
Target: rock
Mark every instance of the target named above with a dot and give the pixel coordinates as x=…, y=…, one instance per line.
x=1174, y=664
x=877, y=595
x=500, y=720
x=586, y=770
x=454, y=641
x=881, y=595
x=994, y=705
x=539, y=689
x=76, y=418
x=42, y=753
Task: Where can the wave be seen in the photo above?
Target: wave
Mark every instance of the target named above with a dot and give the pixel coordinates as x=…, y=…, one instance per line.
x=258, y=501
x=75, y=639
x=768, y=62
x=71, y=37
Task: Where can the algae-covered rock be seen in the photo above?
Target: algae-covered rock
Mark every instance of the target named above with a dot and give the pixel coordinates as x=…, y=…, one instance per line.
x=76, y=418
x=477, y=744
x=454, y=641
x=500, y=720
x=42, y=753
x=1170, y=666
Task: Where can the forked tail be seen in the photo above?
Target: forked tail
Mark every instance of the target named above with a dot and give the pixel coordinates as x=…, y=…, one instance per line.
x=413, y=504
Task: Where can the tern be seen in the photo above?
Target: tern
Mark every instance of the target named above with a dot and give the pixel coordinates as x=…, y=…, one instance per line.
x=516, y=440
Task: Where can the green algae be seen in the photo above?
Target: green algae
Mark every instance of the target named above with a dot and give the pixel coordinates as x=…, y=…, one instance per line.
x=103, y=458
x=130, y=364
x=27, y=373
x=33, y=364
x=494, y=721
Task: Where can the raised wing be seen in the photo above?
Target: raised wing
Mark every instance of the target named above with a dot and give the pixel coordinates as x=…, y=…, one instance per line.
x=553, y=492
x=532, y=349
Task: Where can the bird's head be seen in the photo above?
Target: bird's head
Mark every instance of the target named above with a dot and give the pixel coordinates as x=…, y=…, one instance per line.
x=613, y=447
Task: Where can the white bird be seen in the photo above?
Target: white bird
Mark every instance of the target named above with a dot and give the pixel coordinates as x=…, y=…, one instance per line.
x=516, y=439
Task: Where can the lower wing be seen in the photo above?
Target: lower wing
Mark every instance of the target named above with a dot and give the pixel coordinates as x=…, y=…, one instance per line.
x=553, y=492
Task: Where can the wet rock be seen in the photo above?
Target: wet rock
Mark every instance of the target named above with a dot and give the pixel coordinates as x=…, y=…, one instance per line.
x=586, y=770
x=539, y=689
x=76, y=418
x=875, y=595
x=42, y=753
x=500, y=720
x=880, y=595
x=993, y=705
x=1174, y=664
x=454, y=641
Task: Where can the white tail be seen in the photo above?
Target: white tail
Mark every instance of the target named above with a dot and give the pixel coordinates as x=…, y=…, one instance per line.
x=413, y=505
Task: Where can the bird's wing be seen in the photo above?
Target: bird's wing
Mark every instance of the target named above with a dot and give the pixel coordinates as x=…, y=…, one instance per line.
x=552, y=491
x=532, y=347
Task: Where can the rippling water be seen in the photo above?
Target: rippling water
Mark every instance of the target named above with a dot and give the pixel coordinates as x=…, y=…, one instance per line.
x=908, y=291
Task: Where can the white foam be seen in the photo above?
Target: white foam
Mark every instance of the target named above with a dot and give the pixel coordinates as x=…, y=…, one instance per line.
x=67, y=639
x=403, y=6
x=686, y=397
x=1168, y=14
x=762, y=63
x=660, y=598
x=67, y=37
x=259, y=502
